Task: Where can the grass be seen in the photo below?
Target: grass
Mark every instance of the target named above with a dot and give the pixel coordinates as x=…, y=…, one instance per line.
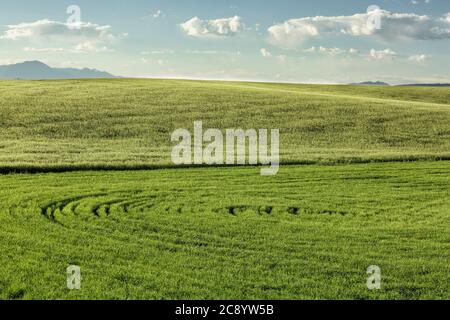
x=117, y=123
x=86, y=179
x=307, y=233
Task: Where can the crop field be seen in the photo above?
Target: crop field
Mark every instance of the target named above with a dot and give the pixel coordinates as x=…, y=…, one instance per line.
x=127, y=123
x=87, y=180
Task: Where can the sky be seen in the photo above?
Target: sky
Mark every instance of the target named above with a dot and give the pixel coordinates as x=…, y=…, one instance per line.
x=314, y=41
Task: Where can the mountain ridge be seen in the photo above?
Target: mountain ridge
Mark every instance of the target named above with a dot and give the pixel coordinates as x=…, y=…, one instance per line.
x=371, y=83
x=37, y=70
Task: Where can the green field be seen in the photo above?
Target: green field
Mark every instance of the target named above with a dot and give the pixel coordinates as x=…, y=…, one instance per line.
x=87, y=180
x=128, y=123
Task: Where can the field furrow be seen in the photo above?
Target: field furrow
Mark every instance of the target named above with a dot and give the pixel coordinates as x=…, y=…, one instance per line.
x=309, y=232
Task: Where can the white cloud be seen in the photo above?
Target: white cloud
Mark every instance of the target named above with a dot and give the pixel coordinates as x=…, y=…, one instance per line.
x=447, y=17
x=212, y=52
x=310, y=50
x=158, y=51
x=420, y=58
x=196, y=27
x=89, y=46
x=330, y=51
x=57, y=30
x=414, y=2
x=44, y=50
x=83, y=37
x=374, y=55
x=393, y=26
x=160, y=62
x=282, y=58
x=382, y=55
x=72, y=64
x=157, y=14
x=265, y=52
x=86, y=47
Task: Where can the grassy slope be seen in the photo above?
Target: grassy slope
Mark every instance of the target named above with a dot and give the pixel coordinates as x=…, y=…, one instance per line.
x=309, y=232
x=90, y=123
x=223, y=233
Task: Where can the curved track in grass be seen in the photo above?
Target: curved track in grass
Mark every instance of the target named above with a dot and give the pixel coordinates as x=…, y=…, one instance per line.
x=221, y=233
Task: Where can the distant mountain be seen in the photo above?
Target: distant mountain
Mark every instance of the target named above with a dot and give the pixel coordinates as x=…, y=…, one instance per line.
x=371, y=83
x=36, y=70
x=426, y=85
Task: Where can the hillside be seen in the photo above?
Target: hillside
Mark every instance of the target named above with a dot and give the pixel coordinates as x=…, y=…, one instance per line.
x=128, y=123
x=309, y=232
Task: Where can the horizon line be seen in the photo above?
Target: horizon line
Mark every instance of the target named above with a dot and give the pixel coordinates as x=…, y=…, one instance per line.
x=199, y=78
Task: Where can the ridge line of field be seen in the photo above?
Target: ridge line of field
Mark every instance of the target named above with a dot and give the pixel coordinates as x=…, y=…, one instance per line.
x=332, y=95
x=4, y=170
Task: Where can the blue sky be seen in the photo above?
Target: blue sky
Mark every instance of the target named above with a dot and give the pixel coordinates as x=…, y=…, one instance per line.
x=319, y=41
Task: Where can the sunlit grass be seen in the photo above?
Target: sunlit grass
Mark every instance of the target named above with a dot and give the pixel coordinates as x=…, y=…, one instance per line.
x=86, y=195
x=307, y=233
x=97, y=123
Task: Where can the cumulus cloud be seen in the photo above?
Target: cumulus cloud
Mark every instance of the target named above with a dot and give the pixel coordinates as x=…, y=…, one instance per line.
x=331, y=51
x=57, y=30
x=393, y=26
x=420, y=58
x=382, y=55
x=84, y=36
x=197, y=27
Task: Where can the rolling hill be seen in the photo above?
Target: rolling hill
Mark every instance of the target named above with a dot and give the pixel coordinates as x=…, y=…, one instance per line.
x=86, y=179
x=126, y=123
